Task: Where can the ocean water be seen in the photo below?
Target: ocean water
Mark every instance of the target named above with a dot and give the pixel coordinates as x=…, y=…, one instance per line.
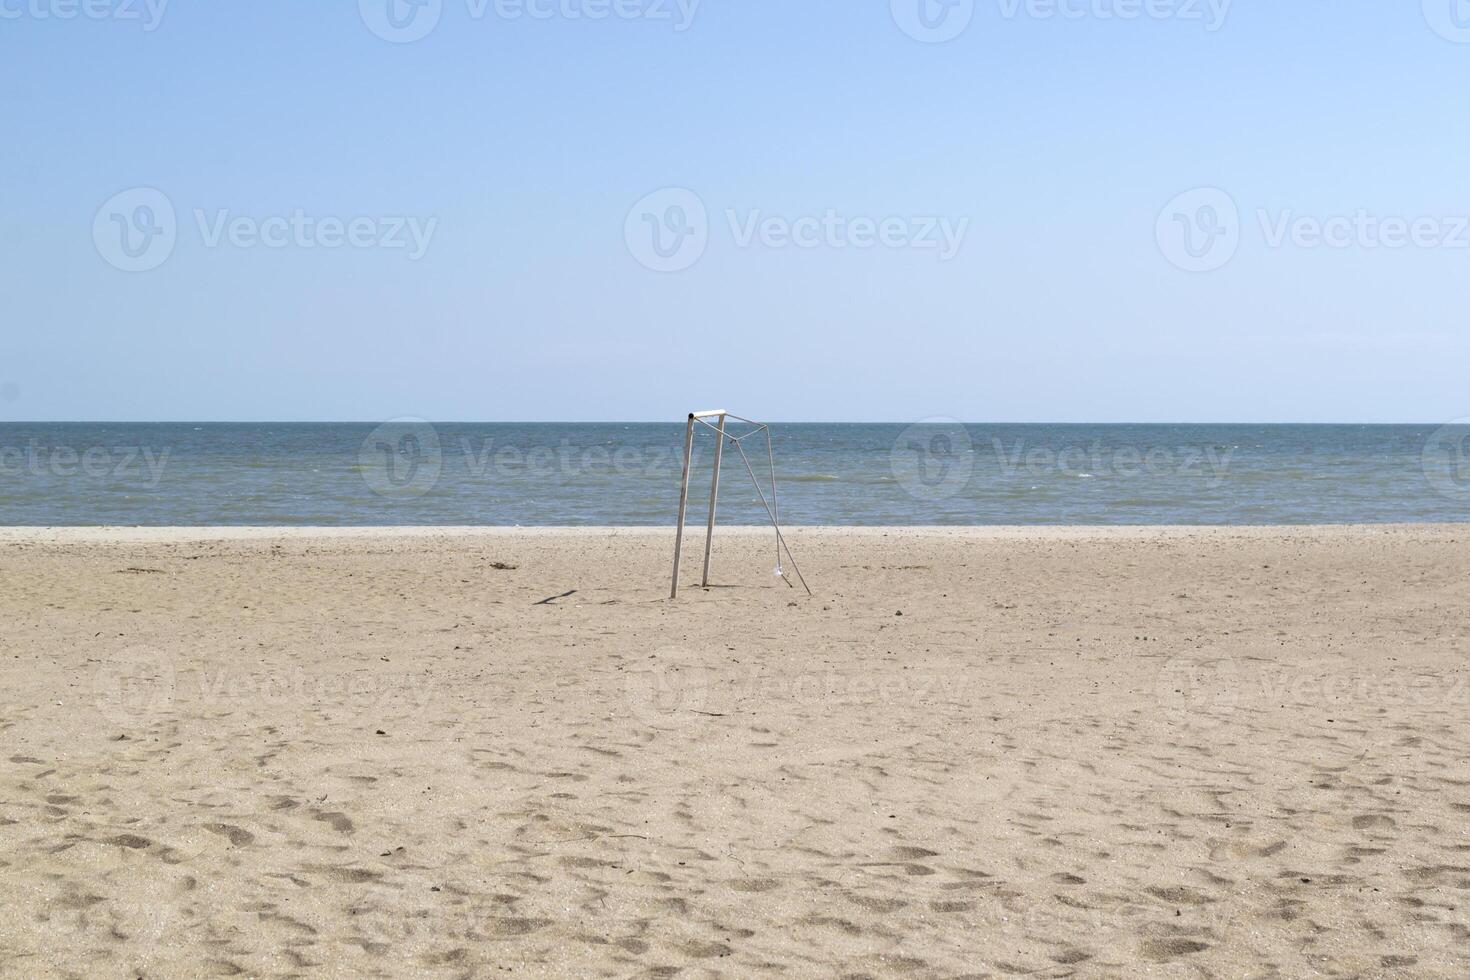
x=415, y=473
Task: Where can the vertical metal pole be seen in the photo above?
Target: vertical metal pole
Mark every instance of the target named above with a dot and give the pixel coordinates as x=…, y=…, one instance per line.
x=683, y=504
x=714, y=496
x=775, y=503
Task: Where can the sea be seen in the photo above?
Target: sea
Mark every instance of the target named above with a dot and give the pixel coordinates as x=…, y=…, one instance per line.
x=939, y=472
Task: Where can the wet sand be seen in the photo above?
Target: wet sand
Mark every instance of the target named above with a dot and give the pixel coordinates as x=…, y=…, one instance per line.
x=976, y=752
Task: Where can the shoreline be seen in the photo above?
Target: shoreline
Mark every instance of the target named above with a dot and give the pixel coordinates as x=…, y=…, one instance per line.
x=113, y=534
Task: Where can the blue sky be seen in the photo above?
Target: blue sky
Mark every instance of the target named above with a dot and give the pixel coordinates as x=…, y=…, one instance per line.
x=1054, y=148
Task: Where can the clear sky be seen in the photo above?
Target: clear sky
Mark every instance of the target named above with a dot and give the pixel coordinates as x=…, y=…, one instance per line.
x=856, y=218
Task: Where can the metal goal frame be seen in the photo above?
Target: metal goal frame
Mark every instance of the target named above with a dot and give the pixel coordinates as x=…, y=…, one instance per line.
x=715, y=420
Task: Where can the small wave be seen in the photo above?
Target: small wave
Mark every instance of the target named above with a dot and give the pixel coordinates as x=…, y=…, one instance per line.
x=812, y=478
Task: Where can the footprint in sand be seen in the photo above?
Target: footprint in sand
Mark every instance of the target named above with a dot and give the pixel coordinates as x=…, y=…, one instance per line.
x=237, y=836
x=1162, y=950
x=1373, y=821
x=754, y=885
x=1180, y=895
x=340, y=822
x=131, y=841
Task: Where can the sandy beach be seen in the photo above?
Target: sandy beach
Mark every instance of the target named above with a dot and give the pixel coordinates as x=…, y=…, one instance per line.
x=975, y=752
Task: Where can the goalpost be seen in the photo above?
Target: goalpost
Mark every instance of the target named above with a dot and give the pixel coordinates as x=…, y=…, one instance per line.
x=773, y=507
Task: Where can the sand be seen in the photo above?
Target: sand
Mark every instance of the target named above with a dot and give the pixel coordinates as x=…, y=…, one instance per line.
x=1046, y=753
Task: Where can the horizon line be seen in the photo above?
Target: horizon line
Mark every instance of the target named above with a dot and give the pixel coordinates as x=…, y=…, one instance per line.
x=680, y=420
